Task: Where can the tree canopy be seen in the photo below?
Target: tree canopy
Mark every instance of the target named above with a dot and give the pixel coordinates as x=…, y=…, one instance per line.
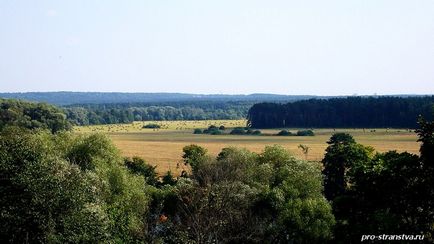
x=380, y=193
x=32, y=115
x=64, y=188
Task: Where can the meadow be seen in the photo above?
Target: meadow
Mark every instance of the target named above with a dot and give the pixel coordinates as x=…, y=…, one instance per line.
x=163, y=147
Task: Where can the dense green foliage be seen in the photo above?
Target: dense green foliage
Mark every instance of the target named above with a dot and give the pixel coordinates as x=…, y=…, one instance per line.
x=245, y=197
x=380, y=193
x=192, y=156
x=64, y=188
x=138, y=166
x=32, y=115
x=341, y=154
x=351, y=112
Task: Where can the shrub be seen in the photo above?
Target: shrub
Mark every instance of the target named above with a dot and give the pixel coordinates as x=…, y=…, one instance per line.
x=212, y=127
x=215, y=132
x=257, y=132
x=151, y=126
x=238, y=131
x=284, y=133
x=197, y=131
x=212, y=130
x=305, y=133
x=222, y=127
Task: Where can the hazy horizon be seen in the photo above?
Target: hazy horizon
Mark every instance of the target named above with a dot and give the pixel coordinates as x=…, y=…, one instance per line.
x=229, y=94
x=324, y=48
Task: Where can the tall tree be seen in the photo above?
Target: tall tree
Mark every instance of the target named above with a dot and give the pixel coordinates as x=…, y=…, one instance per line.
x=341, y=154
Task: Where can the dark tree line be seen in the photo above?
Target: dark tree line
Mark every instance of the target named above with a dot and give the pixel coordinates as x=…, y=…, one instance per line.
x=350, y=112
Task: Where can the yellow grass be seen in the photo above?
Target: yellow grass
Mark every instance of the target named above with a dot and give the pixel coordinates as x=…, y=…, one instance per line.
x=163, y=147
x=165, y=126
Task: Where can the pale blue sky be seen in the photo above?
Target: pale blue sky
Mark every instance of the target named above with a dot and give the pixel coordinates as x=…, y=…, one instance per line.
x=286, y=47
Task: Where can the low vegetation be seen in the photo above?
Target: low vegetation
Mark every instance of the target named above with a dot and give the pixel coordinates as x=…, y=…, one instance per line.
x=245, y=131
x=214, y=130
x=298, y=133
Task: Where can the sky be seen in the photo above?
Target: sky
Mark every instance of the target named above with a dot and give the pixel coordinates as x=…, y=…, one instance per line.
x=290, y=47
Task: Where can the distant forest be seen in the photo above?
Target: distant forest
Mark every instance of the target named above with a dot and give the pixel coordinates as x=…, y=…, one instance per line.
x=92, y=114
x=69, y=98
x=350, y=112
x=92, y=108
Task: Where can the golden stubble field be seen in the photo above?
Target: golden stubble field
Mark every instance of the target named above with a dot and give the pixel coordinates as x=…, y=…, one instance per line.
x=163, y=147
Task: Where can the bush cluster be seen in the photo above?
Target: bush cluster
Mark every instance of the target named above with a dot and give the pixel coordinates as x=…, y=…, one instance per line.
x=151, y=126
x=244, y=131
x=305, y=133
x=299, y=133
x=212, y=130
